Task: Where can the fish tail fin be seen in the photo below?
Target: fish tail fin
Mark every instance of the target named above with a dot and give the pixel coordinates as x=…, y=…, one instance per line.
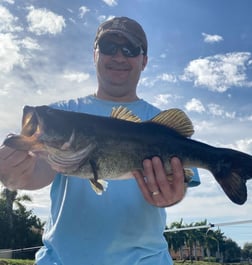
x=232, y=171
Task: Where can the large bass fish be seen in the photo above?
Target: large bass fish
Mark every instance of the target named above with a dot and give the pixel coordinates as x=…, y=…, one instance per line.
x=99, y=148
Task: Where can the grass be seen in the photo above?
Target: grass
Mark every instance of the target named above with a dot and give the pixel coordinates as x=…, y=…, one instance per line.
x=31, y=262
x=188, y=262
x=16, y=262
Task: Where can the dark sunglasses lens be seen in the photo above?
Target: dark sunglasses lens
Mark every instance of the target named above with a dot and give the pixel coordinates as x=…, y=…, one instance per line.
x=130, y=51
x=108, y=48
x=111, y=48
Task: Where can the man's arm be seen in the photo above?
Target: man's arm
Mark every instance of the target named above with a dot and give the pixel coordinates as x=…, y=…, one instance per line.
x=20, y=170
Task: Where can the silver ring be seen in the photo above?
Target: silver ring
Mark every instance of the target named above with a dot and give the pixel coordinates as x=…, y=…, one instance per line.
x=154, y=193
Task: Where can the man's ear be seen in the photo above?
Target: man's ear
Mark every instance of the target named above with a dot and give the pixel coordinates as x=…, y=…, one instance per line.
x=145, y=61
x=95, y=56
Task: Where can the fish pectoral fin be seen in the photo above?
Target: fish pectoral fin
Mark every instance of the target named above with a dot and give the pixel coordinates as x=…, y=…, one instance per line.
x=124, y=114
x=175, y=119
x=99, y=185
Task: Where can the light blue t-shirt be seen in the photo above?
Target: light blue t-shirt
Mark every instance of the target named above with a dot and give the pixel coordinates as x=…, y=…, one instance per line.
x=118, y=227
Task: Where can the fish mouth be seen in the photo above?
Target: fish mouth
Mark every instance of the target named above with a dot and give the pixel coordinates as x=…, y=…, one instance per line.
x=31, y=131
x=30, y=122
x=23, y=142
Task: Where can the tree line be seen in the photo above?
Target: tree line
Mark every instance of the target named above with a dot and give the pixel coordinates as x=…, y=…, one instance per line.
x=214, y=244
x=20, y=228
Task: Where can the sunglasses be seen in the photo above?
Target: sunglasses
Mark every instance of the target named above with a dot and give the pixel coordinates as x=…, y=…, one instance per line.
x=111, y=48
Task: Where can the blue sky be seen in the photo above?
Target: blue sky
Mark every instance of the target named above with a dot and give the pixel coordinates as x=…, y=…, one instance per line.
x=200, y=60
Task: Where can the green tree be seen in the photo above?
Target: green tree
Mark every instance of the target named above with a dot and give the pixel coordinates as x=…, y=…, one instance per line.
x=247, y=251
x=212, y=243
x=191, y=241
x=176, y=239
x=10, y=198
x=19, y=228
x=200, y=235
x=232, y=252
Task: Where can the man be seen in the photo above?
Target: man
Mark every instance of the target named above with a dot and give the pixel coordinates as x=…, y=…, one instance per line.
x=125, y=225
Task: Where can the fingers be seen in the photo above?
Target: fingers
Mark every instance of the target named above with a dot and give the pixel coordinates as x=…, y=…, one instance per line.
x=15, y=167
x=158, y=188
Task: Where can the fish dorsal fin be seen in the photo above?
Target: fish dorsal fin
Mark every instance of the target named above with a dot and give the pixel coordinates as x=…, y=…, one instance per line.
x=177, y=120
x=124, y=114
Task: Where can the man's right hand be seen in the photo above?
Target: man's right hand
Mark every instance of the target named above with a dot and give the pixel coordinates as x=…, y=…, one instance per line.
x=20, y=170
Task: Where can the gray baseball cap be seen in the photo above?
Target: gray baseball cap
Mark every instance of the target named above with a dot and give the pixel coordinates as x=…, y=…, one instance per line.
x=125, y=26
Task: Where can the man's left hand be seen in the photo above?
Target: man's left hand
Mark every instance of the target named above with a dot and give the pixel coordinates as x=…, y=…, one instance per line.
x=159, y=189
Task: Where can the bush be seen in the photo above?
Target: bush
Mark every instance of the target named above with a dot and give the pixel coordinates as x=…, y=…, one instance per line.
x=210, y=259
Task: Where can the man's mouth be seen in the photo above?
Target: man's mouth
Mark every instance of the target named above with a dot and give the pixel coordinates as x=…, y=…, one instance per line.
x=118, y=68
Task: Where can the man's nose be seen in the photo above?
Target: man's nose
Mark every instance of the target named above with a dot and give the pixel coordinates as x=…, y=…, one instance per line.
x=119, y=55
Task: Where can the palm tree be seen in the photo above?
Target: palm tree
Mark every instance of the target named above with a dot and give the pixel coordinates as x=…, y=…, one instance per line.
x=191, y=241
x=176, y=239
x=200, y=236
x=10, y=197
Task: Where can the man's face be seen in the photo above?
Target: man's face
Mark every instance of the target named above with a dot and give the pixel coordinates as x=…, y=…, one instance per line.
x=118, y=74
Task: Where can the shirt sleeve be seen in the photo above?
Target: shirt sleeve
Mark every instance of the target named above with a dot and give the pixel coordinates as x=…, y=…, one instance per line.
x=195, y=179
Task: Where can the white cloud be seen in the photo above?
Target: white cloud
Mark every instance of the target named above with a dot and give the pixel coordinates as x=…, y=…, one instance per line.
x=246, y=118
x=76, y=76
x=164, y=101
x=110, y=2
x=161, y=101
x=14, y=51
x=211, y=38
x=70, y=10
x=42, y=21
x=195, y=105
x=218, y=110
x=147, y=81
x=151, y=81
x=30, y=44
x=168, y=78
x=8, y=1
x=244, y=145
x=40, y=201
x=8, y=23
x=103, y=18
x=204, y=126
x=82, y=11
x=10, y=53
x=219, y=72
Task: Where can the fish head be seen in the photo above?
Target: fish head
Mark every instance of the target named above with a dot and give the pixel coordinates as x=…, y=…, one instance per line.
x=54, y=128
x=27, y=139
x=41, y=127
